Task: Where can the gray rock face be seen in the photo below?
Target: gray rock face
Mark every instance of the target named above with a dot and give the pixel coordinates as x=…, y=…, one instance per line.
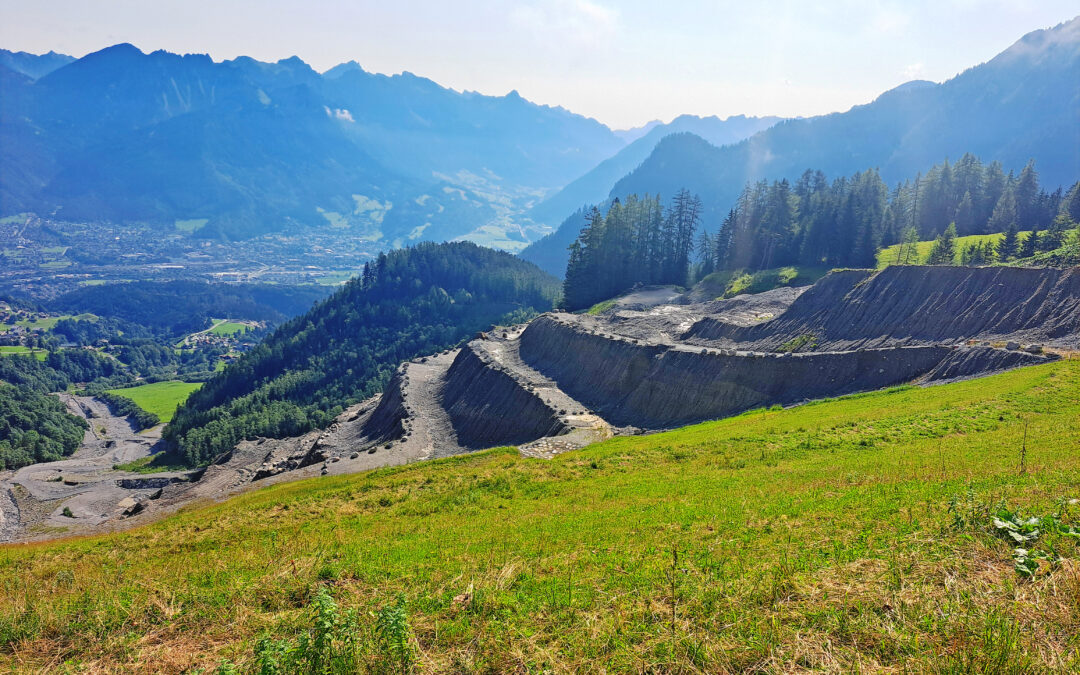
x=489, y=407
x=912, y=305
x=663, y=386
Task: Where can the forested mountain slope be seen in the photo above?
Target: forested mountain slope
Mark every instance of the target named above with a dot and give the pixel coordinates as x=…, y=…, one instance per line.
x=410, y=303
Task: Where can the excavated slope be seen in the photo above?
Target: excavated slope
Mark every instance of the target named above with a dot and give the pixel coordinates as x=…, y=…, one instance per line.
x=912, y=305
x=657, y=386
x=489, y=406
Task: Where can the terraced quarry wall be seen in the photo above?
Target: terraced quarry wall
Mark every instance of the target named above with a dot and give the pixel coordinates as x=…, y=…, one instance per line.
x=489, y=407
x=911, y=305
x=658, y=386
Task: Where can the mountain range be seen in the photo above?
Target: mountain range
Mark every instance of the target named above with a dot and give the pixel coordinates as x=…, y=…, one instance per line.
x=240, y=148
x=250, y=147
x=1022, y=104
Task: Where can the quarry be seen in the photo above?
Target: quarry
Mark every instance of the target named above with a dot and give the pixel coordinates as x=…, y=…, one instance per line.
x=652, y=361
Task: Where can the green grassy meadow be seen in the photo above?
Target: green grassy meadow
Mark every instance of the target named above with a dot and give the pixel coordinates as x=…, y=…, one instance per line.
x=160, y=398
x=226, y=327
x=889, y=255
x=39, y=354
x=848, y=535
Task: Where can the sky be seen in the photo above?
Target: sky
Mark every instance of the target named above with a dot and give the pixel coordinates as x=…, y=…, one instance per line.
x=622, y=62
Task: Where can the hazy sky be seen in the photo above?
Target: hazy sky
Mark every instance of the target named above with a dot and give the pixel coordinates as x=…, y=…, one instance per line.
x=623, y=62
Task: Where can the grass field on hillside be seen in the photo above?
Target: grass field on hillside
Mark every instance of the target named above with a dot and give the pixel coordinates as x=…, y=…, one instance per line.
x=226, y=327
x=850, y=535
x=888, y=255
x=160, y=398
x=39, y=354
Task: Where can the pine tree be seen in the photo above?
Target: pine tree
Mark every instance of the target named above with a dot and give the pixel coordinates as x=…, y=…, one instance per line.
x=1070, y=205
x=1004, y=215
x=1030, y=245
x=909, y=248
x=705, y=255
x=944, y=249
x=1027, y=198
x=965, y=216
x=1008, y=247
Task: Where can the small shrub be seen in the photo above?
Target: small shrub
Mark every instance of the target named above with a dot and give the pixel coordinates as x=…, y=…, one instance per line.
x=395, y=635
x=804, y=341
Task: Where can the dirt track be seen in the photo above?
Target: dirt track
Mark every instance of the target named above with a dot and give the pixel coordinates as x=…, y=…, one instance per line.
x=33, y=499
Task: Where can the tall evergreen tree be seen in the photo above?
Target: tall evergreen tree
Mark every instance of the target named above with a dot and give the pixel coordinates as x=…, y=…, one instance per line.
x=1004, y=216
x=944, y=250
x=1030, y=245
x=1008, y=247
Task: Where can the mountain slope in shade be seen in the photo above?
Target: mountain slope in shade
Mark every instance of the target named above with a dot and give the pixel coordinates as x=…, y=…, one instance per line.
x=549, y=253
x=34, y=66
x=1023, y=104
x=594, y=186
x=255, y=147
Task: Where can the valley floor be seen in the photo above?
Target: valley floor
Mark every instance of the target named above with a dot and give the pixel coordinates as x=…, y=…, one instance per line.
x=855, y=534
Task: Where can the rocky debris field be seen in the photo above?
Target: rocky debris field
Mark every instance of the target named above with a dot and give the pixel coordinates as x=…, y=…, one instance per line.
x=84, y=492
x=652, y=361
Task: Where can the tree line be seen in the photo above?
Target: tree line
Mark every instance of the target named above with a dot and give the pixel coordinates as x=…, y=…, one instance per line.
x=636, y=241
x=844, y=223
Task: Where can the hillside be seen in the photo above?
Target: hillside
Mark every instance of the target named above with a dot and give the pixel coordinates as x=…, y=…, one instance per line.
x=594, y=186
x=254, y=147
x=856, y=533
x=1010, y=109
x=410, y=303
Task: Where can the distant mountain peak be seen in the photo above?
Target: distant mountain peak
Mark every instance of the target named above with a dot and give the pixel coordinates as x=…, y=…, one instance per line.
x=343, y=68
x=120, y=48
x=33, y=66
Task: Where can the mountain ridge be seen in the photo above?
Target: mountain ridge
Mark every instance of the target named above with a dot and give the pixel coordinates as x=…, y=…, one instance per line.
x=401, y=141
x=1007, y=109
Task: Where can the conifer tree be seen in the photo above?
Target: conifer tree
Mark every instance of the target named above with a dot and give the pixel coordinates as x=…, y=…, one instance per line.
x=944, y=249
x=1008, y=247
x=1030, y=245
x=965, y=215
x=1004, y=215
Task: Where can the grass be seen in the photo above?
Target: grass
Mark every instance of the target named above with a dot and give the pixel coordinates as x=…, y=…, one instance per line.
x=728, y=284
x=39, y=354
x=47, y=323
x=191, y=224
x=225, y=327
x=335, y=278
x=601, y=307
x=160, y=398
x=846, y=535
x=888, y=255
x=150, y=464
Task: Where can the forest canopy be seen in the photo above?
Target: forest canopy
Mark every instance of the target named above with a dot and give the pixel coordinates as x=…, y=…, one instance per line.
x=408, y=303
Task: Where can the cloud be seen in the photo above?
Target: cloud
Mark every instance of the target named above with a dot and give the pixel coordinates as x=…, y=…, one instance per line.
x=914, y=71
x=582, y=23
x=339, y=114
